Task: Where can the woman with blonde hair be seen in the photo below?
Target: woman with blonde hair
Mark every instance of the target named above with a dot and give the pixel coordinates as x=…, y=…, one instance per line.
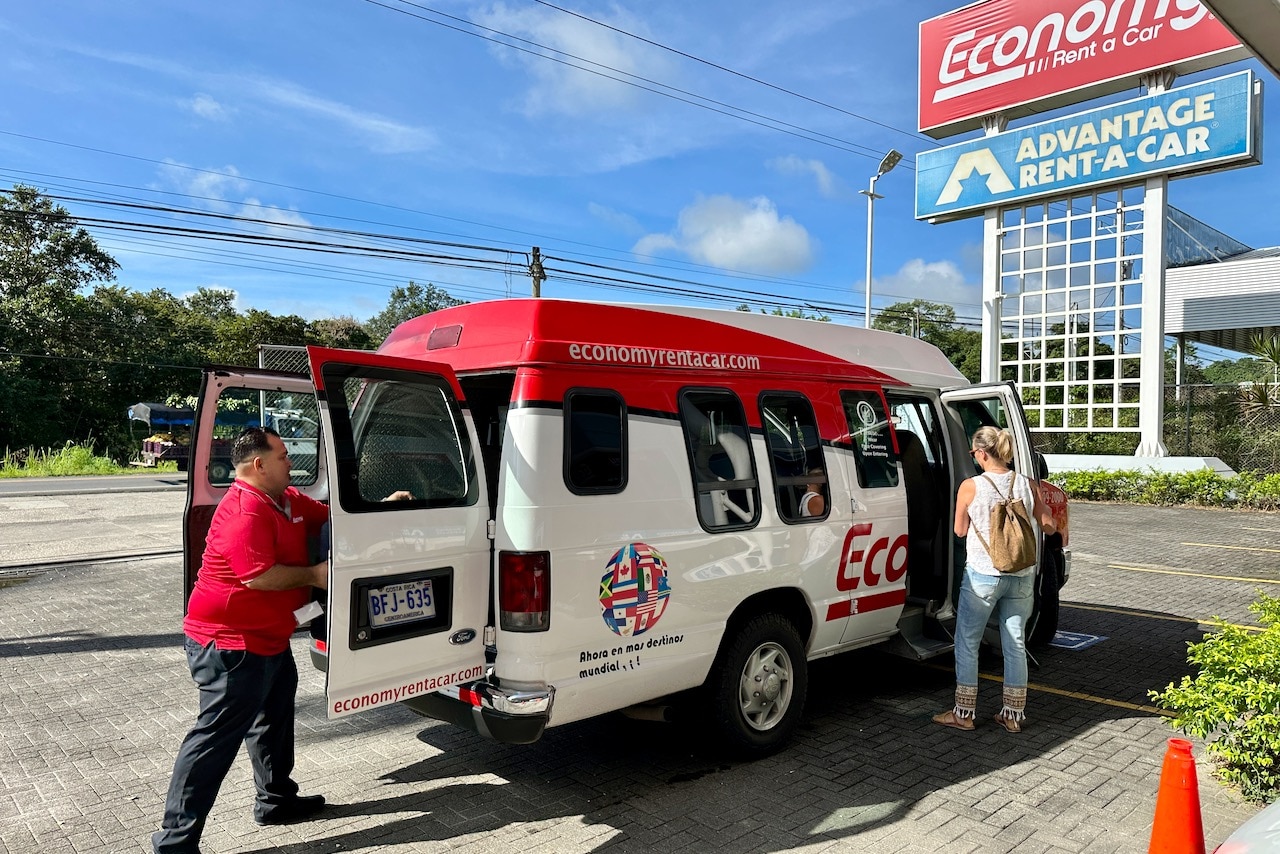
x=985, y=588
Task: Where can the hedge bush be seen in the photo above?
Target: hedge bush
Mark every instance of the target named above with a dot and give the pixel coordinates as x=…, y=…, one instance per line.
x=1234, y=699
x=1205, y=488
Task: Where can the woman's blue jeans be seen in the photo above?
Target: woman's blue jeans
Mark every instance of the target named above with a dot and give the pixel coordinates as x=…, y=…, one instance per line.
x=1012, y=598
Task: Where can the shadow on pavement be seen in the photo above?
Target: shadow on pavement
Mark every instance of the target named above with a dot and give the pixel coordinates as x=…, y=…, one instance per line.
x=866, y=730
x=83, y=641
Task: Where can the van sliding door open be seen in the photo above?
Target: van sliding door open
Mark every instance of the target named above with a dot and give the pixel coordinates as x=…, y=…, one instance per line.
x=996, y=405
x=409, y=565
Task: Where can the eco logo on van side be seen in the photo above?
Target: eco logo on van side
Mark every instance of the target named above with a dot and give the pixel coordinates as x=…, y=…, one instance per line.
x=634, y=590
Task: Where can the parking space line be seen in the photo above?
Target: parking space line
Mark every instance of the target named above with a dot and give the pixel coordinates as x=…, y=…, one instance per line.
x=1233, y=548
x=1195, y=574
x=1150, y=616
x=1074, y=695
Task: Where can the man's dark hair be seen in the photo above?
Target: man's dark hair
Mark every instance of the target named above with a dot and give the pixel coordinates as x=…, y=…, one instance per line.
x=251, y=442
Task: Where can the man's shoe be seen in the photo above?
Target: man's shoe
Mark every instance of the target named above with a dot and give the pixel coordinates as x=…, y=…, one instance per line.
x=293, y=810
x=949, y=718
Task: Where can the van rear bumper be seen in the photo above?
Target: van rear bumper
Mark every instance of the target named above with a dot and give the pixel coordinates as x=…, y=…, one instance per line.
x=511, y=717
x=505, y=715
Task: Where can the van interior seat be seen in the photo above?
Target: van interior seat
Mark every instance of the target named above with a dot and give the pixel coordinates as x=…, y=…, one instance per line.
x=926, y=546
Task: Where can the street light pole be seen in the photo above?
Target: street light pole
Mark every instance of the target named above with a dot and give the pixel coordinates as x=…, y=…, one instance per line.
x=890, y=160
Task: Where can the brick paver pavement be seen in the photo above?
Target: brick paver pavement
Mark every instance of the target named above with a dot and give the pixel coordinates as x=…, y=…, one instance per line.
x=94, y=699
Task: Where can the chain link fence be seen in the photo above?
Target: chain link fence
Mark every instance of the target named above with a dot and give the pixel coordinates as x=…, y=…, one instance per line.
x=1239, y=425
x=283, y=357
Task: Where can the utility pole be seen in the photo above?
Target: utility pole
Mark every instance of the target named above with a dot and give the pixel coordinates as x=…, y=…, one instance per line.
x=536, y=272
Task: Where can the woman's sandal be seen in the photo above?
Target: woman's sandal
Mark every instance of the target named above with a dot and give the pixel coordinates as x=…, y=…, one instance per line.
x=1009, y=724
x=948, y=718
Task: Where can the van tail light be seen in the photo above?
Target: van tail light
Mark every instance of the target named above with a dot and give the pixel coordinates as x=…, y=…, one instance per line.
x=524, y=591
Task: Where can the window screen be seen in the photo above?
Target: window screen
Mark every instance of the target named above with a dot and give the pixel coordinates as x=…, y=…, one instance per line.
x=595, y=442
x=724, y=472
x=795, y=455
x=398, y=433
x=876, y=462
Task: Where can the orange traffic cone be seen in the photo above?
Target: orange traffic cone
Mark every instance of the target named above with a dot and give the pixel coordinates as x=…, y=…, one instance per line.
x=1177, y=828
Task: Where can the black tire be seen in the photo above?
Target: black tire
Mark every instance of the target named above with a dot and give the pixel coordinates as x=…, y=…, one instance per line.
x=1048, y=605
x=756, y=689
x=219, y=472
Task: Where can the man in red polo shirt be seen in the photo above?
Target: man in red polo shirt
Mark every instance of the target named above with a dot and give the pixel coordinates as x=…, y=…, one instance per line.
x=255, y=573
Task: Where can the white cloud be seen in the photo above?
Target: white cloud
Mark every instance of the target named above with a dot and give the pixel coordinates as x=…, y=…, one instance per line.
x=216, y=184
x=623, y=222
x=559, y=88
x=207, y=108
x=381, y=134
x=937, y=281
x=736, y=235
x=385, y=136
x=280, y=216
x=828, y=184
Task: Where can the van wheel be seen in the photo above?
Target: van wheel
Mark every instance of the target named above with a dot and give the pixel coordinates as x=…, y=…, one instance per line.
x=219, y=472
x=757, y=688
x=1048, y=605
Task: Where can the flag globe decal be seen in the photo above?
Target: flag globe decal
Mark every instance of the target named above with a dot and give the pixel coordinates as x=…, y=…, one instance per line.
x=634, y=590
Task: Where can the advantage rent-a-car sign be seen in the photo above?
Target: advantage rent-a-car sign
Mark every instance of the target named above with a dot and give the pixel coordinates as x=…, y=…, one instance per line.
x=1017, y=56
x=1206, y=126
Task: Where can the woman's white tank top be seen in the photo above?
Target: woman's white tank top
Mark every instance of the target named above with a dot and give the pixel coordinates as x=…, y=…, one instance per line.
x=984, y=499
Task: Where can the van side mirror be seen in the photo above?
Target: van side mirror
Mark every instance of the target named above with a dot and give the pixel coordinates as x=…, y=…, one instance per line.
x=1042, y=465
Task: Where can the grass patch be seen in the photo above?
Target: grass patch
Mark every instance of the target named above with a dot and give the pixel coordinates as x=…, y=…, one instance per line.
x=70, y=460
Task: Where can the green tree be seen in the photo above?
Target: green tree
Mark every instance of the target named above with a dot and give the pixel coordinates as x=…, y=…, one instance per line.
x=46, y=339
x=935, y=322
x=345, y=332
x=797, y=313
x=1233, y=371
x=238, y=337
x=405, y=304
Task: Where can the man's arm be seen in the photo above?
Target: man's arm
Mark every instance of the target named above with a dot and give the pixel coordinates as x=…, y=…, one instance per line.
x=281, y=577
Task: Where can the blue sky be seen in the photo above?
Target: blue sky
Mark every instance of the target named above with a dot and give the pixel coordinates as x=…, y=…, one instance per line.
x=348, y=114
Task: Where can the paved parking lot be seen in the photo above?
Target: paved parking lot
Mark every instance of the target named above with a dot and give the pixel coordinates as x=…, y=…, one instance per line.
x=95, y=697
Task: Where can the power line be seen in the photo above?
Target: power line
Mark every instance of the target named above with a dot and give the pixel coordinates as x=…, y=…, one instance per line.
x=676, y=265
x=739, y=113
x=912, y=134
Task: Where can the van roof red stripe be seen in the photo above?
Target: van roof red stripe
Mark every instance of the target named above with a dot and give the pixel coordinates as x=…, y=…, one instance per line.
x=503, y=333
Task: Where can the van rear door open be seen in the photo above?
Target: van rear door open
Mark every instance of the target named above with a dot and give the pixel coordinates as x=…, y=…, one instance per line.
x=409, y=577
x=232, y=399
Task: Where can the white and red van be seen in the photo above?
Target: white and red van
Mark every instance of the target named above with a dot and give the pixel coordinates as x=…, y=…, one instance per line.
x=612, y=508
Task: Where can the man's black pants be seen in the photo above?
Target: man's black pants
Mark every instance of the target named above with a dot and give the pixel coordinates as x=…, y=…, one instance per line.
x=243, y=697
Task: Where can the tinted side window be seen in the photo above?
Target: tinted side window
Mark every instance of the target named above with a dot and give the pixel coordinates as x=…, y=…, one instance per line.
x=595, y=442
x=795, y=455
x=239, y=408
x=876, y=462
x=724, y=471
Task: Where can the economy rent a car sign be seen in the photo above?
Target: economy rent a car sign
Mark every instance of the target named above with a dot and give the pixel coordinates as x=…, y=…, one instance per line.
x=1210, y=125
x=1005, y=55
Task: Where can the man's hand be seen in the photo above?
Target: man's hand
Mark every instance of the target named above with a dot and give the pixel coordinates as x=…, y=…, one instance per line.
x=281, y=577
x=400, y=495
